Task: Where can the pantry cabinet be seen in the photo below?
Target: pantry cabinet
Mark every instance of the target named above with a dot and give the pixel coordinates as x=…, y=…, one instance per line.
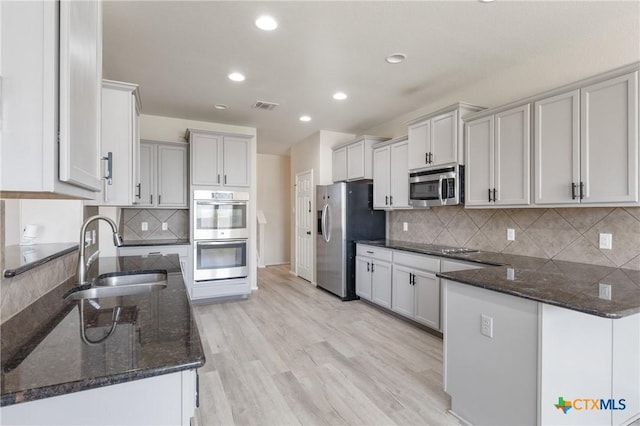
x=120, y=144
x=436, y=139
x=353, y=160
x=390, y=175
x=218, y=159
x=163, y=175
x=586, y=144
x=498, y=159
x=52, y=72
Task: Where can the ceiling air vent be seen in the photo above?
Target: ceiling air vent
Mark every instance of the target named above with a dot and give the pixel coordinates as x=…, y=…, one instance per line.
x=268, y=106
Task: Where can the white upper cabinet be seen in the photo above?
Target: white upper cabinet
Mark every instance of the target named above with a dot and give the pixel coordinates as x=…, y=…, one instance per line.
x=219, y=159
x=586, y=144
x=390, y=175
x=353, y=160
x=609, y=140
x=120, y=141
x=163, y=175
x=436, y=140
x=497, y=169
x=557, y=149
x=339, y=165
x=79, y=91
x=52, y=72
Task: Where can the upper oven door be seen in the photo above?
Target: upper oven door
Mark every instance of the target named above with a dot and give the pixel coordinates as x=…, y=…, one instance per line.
x=215, y=220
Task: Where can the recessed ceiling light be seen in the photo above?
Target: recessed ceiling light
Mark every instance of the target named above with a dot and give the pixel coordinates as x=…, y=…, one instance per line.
x=305, y=118
x=266, y=23
x=221, y=106
x=236, y=76
x=339, y=96
x=486, y=1
x=396, y=58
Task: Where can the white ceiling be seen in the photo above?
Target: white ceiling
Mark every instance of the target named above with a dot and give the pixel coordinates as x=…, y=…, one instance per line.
x=181, y=52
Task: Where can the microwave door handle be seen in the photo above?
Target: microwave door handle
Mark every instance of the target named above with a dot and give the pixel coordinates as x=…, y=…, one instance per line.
x=440, y=190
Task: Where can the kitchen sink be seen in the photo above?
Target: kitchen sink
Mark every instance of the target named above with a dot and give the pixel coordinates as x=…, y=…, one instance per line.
x=120, y=284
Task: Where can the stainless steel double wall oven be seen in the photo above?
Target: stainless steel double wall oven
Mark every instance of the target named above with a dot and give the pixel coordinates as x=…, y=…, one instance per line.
x=220, y=235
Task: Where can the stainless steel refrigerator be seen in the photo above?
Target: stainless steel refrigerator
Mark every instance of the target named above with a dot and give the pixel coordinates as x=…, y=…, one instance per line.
x=345, y=214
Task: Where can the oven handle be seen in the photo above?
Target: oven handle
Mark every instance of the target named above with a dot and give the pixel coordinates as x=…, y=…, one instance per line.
x=219, y=243
x=215, y=203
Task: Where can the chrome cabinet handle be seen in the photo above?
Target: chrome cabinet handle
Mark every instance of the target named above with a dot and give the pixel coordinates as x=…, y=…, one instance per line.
x=426, y=158
x=581, y=190
x=390, y=200
x=139, y=191
x=431, y=158
x=494, y=195
x=372, y=267
x=489, y=194
x=573, y=190
x=386, y=200
x=109, y=174
x=368, y=270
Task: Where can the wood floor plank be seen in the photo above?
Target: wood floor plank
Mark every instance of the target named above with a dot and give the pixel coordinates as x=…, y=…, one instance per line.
x=294, y=354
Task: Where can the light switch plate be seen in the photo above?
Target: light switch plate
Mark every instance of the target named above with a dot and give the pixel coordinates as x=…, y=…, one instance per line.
x=511, y=234
x=604, y=291
x=144, y=226
x=165, y=226
x=606, y=241
x=405, y=226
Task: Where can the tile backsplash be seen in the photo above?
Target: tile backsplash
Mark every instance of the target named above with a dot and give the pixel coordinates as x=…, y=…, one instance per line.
x=131, y=220
x=570, y=234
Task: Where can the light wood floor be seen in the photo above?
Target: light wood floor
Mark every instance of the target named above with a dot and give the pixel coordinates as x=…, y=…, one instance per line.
x=294, y=354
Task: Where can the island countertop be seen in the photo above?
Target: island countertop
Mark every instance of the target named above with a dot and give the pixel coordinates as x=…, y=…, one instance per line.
x=43, y=354
x=570, y=285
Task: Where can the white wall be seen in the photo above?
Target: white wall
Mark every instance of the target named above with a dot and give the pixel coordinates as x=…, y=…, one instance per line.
x=274, y=199
x=313, y=153
x=58, y=221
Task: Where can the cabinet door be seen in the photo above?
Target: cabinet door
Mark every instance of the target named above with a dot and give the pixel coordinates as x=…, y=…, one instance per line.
x=609, y=140
x=147, y=179
x=363, y=277
x=172, y=176
x=79, y=91
x=205, y=162
x=402, y=289
x=479, y=161
x=381, y=283
x=355, y=161
x=427, y=295
x=557, y=148
x=511, y=150
x=419, y=143
x=339, y=165
x=236, y=161
x=381, y=190
x=444, y=139
x=135, y=152
x=399, y=175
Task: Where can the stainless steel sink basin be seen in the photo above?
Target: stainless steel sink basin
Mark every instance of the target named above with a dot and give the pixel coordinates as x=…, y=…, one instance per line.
x=121, y=284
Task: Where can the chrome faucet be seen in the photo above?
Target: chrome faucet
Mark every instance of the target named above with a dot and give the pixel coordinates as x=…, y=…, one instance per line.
x=117, y=241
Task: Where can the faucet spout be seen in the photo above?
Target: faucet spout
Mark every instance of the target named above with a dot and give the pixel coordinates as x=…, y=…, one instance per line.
x=82, y=264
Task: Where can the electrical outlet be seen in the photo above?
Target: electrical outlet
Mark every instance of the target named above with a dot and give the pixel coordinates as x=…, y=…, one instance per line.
x=511, y=234
x=144, y=226
x=165, y=226
x=511, y=274
x=486, y=325
x=604, y=291
x=405, y=226
x=93, y=236
x=606, y=241
x=87, y=238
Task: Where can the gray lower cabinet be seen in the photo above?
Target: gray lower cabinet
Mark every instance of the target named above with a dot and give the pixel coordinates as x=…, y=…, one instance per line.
x=163, y=175
x=373, y=274
x=416, y=289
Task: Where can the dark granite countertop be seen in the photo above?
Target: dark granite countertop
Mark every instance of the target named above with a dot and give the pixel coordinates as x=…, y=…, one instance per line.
x=147, y=243
x=43, y=355
x=568, y=285
x=19, y=259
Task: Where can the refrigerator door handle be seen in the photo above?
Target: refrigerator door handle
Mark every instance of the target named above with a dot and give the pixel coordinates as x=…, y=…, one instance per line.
x=328, y=223
x=324, y=222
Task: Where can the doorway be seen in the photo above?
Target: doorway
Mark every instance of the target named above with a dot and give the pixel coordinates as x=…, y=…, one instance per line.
x=305, y=238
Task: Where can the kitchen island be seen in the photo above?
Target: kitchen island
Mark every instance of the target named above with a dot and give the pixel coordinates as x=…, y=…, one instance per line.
x=548, y=343
x=144, y=373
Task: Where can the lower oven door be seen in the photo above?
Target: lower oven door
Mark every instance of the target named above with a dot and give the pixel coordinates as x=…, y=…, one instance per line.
x=215, y=260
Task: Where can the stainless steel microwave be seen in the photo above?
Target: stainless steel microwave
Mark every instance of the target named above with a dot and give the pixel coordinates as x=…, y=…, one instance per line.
x=441, y=187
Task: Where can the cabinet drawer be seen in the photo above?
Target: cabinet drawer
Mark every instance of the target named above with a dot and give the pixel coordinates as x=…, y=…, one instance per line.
x=426, y=263
x=222, y=288
x=374, y=252
x=180, y=250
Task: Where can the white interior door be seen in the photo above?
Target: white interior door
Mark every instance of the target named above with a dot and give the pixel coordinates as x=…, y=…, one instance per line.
x=304, y=219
